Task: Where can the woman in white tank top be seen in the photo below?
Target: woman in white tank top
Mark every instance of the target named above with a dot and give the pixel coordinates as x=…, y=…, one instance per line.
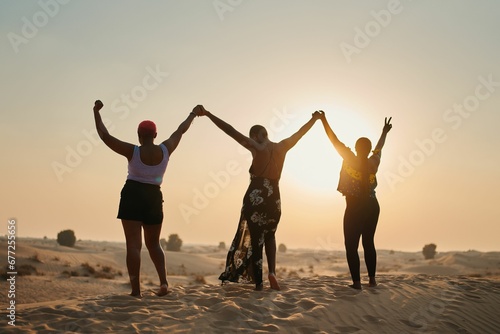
x=141, y=198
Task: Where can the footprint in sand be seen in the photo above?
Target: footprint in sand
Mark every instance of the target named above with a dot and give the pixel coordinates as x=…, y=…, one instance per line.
x=411, y=324
x=372, y=319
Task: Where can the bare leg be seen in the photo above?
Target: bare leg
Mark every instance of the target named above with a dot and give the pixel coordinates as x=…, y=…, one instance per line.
x=270, y=245
x=152, y=239
x=133, y=237
x=373, y=282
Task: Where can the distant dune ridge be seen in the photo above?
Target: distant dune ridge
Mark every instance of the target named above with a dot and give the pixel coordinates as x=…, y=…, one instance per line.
x=85, y=289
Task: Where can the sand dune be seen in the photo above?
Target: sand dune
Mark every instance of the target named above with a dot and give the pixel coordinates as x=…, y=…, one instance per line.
x=412, y=296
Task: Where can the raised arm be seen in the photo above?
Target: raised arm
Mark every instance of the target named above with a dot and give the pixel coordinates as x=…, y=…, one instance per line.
x=175, y=138
x=293, y=139
x=120, y=147
x=243, y=140
x=385, y=131
x=339, y=146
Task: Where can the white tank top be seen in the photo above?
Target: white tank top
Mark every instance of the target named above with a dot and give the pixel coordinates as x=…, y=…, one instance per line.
x=140, y=172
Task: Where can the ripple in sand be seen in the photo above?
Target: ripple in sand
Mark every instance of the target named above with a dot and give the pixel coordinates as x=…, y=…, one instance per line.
x=411, y=324
x=346, y=329
x=308, y=304
x=228, y=313
x=456, y=328
x=208, y=302
x=284, y=306
x=372, y=319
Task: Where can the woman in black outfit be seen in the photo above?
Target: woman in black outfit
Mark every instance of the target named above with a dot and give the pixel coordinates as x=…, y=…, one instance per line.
x=357, y=183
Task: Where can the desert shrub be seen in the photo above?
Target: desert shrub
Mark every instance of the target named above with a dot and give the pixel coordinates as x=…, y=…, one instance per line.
x=163, y=243
x=282, y=248
x=36, y=258
x=66, y=238
x=88, y=268
x=429, y=251
x=70, y=273
x=107, y=272
x=222, y=245
x=200, y=279
x=174, y=243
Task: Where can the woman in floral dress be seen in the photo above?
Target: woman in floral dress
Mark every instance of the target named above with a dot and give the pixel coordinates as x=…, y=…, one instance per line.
x=261, y=209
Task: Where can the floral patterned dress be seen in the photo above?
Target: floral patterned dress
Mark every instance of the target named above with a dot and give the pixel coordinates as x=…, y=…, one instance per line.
x=259, y=220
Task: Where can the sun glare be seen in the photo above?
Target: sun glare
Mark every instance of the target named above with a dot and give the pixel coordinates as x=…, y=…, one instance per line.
x=314, y=164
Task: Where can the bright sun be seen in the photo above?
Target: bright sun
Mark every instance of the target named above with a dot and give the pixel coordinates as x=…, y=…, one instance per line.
x=313, y=164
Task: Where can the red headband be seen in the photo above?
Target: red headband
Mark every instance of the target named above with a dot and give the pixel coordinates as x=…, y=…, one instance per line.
x=146, y=128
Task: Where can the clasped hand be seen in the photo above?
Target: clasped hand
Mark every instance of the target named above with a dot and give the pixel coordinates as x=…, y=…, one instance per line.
x=199, y=110
x=318, y=114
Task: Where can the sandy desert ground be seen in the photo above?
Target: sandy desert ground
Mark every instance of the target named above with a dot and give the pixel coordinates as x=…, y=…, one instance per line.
x=85, y=289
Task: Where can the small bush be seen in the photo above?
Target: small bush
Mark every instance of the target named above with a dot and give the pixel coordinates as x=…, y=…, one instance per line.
x=66, y=238
x=71, y=273
x=88, y=268
x=429, y=251
x=282, y=248
x=106, y=269
x=36, y=258
x=107, y=273
x=200, y=279
x=174, y=243
x=222, y=245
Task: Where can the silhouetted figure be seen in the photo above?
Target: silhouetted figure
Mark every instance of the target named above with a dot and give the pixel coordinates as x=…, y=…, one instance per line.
x=357, y=183
x=141, y=202
x=261, y=209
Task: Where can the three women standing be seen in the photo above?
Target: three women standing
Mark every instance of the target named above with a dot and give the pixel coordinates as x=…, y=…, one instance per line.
x=141, y=198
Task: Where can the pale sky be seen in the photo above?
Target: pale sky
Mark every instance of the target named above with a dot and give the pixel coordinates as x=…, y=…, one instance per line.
x=431, y=65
